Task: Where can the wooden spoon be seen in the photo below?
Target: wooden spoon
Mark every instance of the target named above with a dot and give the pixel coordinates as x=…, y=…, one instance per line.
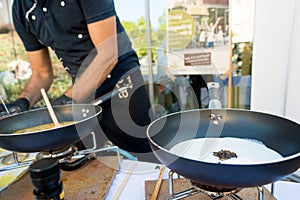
x=158, y=183
x=50, y=109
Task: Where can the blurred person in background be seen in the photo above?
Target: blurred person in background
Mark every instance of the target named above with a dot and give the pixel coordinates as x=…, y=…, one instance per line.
x=210, y=34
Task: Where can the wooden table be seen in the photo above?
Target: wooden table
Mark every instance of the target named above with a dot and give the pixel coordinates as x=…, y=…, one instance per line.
x=89, y=182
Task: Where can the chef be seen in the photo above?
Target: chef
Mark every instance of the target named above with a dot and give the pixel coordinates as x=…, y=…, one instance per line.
x=90, y=42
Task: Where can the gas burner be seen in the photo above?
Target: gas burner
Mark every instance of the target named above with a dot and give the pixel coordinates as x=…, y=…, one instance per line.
x=214, y=191
x=66, y=157
x=211, y=191
x=58, y=153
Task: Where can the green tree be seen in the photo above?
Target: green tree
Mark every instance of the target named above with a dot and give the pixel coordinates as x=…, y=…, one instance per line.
x=137, y=34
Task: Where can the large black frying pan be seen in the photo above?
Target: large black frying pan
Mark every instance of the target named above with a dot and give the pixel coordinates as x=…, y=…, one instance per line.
x=277, y=133
x=85, y=117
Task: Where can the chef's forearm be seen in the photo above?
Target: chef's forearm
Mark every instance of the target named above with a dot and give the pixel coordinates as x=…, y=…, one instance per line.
x=32, y=89
x=42, y=75
x=97, y=71
x=91, y=79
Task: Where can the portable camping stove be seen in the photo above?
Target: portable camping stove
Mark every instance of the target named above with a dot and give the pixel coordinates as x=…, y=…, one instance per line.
x=70, y=157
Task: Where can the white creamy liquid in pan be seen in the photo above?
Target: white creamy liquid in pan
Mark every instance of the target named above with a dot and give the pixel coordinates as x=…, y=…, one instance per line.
x=248, y=151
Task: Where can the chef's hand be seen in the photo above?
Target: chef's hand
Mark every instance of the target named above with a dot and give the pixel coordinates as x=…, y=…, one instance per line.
x=62, y=100
x=19, y=105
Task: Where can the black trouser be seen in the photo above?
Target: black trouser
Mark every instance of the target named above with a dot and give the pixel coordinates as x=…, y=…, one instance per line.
x=197, y=82
x=125, y=116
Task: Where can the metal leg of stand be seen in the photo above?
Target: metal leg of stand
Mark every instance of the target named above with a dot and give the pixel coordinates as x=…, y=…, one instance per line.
x=107, y=148
x=171, y=189
x=215, y=197
x=183, y=194
x=260, y=193
x=272, y=188
x=179, y=195
x=235, y=197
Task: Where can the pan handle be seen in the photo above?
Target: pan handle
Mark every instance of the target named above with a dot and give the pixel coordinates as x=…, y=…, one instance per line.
x=108, y=95
x=213, y=90
x=72, y=165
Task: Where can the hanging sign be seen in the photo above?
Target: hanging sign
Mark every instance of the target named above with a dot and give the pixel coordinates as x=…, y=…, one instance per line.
x=181, y=29
x=197, y=42
x=193, y=59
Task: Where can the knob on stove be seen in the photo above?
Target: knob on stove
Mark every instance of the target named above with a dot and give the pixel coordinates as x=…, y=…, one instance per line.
x=45, y=176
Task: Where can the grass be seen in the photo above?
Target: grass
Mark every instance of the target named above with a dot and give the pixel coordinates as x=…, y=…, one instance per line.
x=11, y=48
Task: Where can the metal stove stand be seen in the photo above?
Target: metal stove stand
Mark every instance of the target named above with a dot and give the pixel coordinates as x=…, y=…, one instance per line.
x=66, y=155
x=213, y=195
